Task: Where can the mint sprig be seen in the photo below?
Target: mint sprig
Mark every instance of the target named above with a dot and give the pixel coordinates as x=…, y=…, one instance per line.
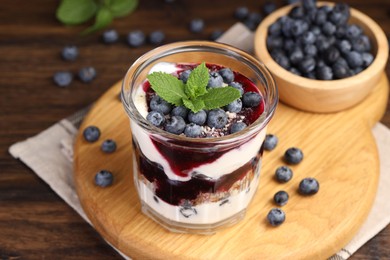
x=74, y=12
x=194, y=95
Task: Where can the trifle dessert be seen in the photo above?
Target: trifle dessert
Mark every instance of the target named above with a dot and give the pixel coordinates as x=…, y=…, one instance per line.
x=198, y=115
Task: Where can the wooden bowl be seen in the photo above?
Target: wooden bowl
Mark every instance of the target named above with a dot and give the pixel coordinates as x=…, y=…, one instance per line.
x=325, y=95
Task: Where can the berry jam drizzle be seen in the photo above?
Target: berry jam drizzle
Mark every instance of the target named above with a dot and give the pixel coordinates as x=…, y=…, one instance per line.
x=176, y=192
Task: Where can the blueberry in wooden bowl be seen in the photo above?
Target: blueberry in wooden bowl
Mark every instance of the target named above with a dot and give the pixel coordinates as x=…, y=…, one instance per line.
x=325, y=57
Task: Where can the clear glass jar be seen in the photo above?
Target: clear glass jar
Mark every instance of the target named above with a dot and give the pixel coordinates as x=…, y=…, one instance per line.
x=197, y=185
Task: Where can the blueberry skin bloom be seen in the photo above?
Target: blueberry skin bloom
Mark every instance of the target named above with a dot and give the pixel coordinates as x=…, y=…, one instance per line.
x=283, y=174
x=70, y=53
x=160, y=105
x=251, y=99
x=104, y=178
x=217, y=118
x=136, y=38
x=198, y=118
x=196, y=25
x=110, y=36
x=276, y=217
x=193, y=130
x=270, y=142
x=87, y=74
x=108, y=146
x=156, y=118
x=309, y=186
x=236, y=127
x=293, y=155
x=91, y=134
x=281, y=198
x=175, y=125
x=63, y=78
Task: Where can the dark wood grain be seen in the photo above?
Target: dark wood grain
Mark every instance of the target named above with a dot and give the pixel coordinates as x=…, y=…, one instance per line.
x=34, y=222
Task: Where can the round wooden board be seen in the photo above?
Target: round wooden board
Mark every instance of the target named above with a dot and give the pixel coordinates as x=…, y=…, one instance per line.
x=340, y=152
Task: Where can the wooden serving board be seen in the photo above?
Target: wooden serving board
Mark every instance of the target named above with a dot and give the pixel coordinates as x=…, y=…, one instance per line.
x=340, y=152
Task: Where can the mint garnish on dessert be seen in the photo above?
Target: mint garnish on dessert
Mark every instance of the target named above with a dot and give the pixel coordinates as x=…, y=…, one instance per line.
x=194, y=94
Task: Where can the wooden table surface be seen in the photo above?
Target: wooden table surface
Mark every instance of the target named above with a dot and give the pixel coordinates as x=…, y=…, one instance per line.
x=34, y=222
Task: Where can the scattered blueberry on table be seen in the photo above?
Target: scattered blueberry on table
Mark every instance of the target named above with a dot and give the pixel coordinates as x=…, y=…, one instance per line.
x=293, y=155
x=270, y=142
x=156, y=37
x=281, y=198
x=136, y=38
x=70, y=53
x=196, y=25
x=215, y=34
x=110, y=36
x=283, y=174
x=309, y=186
x=91, y=134
x=104, y=178
x=63, y=78
x=108, y=146
x=241, y=12
x=276, y=217
x=87, y=74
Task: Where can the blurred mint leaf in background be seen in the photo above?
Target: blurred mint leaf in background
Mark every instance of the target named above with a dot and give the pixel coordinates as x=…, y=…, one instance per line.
x=74, y=12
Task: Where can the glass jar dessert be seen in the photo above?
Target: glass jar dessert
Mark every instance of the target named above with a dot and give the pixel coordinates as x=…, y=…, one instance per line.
x=198, y=115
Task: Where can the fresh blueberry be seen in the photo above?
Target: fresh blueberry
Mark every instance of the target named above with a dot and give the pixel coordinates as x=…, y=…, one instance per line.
x=316, y=30
x=237, y=126
x=357, y=70
x=299, y=27
x=175, y=125
x=237, y=86
x=367, y=59
x=63, y=78
x=290, y=2
x=110, y=36
x=354, y=59
x=309, y=4
x=180, y=111
x=276, y=217
x=344, y=46
x=340, y=70
x=321, y=17
x=253, y=20
x=234, y=106
x=296, y=56
x=87, y=74
x=310, y=50
x=281, y=198
x=215, y=80
x=328, y=28
x=324, y=73
x=361, y=44
x=331, y=55
x=353, y=31
x=108, y=146
x=156, y=118
x=251, y=99
x=322, y=42
x=282, y=60
x=339, y=14
x=310, y=75
x=274, y=42
x=136, y=38
x=309, y=186
x=342, y=61
x=307, y=65
x=283, y=174
x=156, y=37
x=293, y=155
x=193, y=130
x=184, y=75
x=341, y=31
x=241, y=12
x=270, y=142
x=286, y=26
x=160, y=105
x=216, y=34
x=269, y=7
x=91, y=134
x=308, y=38
x=198, y=118
x=70, y=53
x=320, y=63
x=275, y=29
x=104, y=178
x=297, y=12
x=196, y=25
x=217, y=118
x=289, y=44
x=227, y=75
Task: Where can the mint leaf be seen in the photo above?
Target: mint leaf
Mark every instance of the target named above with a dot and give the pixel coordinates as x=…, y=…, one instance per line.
x=72, y=12
x=197, y=81
x=120, y=8
x=194, y=105
x=219, y=97
x=170, y=88
x=103, y=18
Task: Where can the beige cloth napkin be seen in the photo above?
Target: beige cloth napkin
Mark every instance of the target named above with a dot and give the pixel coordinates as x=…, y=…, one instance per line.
x=49, y=154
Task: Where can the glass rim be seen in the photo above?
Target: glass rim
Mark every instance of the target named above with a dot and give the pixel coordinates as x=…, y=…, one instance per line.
x=271, y=94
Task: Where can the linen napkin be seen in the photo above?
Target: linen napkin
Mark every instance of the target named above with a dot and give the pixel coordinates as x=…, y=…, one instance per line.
x=50, y=155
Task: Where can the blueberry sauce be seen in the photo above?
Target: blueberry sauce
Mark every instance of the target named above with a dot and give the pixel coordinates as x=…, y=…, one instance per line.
x=176, y=192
